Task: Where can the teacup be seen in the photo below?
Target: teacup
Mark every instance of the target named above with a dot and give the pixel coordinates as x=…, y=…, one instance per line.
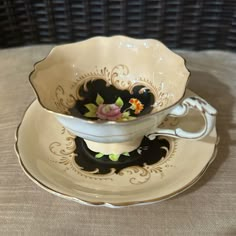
x=113, y=91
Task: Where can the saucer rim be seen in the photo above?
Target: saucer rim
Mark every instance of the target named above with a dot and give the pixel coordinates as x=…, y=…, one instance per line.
x=121, y=204
x=101, y=203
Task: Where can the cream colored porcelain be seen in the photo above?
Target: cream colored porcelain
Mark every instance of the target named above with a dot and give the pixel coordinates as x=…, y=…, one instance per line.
x=122, y=62
x=46, y=153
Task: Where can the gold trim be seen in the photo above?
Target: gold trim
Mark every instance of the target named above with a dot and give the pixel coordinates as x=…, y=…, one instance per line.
x=117, y=78
x=121, y=204
x=133, y=174
x=105, y=122
x=65, y=152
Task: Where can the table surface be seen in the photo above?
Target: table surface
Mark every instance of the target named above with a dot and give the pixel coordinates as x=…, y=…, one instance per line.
x=207, y=208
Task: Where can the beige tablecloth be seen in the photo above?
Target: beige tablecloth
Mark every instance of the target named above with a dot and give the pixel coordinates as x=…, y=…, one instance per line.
x=207, y=208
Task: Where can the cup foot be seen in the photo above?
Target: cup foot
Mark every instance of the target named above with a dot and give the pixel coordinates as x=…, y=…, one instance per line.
x=114, y=148
x=149, y=152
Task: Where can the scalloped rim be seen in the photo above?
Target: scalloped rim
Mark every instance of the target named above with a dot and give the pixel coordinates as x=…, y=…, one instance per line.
x=105, y=122
x=107, y=204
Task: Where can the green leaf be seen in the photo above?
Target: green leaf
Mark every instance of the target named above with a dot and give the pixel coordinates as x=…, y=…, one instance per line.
x=131, y=118
x=126, y=154
x=126, y=114
x=114, y=157
x=90, y=114
x=99, y=155
x=91, y=107
x=99, y=99
x=119, y=102
x=126, y=118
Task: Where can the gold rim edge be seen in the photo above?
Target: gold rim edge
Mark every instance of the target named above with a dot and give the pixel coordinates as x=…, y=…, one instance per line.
x=107, y=204
x=107, y=122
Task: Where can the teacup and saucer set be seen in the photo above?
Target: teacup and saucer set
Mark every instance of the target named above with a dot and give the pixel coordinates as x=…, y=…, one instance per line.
x=114, y=124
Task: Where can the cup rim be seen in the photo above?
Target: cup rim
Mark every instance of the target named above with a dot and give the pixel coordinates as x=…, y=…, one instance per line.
x=105, y=122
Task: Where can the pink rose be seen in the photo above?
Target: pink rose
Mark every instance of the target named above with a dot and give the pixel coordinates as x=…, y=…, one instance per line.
x=108, y=112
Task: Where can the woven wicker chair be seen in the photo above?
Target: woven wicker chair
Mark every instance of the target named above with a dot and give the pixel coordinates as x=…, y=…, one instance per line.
x=186, y=24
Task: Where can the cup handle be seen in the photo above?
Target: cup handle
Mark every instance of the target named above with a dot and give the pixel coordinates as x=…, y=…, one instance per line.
x=208, y=112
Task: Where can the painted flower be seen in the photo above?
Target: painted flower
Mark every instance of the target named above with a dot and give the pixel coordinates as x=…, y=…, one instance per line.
x=103, y=111
x=108, y=112
x=137, y=106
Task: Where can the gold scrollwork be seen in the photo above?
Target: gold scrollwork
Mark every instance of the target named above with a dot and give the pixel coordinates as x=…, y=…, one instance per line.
x=64, y=102
x=118, y=77
x=140, y=175
x=64, y=155
x=136, y=174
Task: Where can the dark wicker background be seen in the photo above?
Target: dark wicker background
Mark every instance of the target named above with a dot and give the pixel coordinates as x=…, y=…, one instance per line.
x=188, y=24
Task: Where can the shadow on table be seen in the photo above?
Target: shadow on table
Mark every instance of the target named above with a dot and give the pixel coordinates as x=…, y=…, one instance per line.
x=218, y=95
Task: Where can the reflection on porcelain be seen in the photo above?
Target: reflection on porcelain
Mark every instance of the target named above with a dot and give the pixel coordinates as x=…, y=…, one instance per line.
x=60, y=162
x=111, y=90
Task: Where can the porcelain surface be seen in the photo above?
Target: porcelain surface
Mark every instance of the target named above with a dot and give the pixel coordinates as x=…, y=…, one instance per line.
x=119, y=61
x=56, y=160
x=117, y=85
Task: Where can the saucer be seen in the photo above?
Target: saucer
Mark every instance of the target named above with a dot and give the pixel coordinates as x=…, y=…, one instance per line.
x=60, y=163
